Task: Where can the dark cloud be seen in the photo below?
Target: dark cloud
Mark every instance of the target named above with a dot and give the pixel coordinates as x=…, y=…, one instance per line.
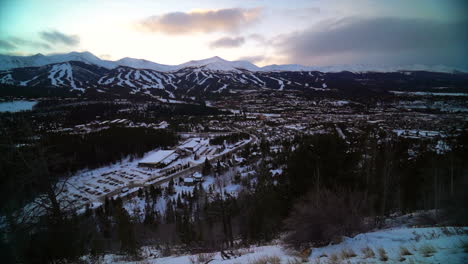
x=378, y=40
x=225, y=20
x=5, y=45
x=253, y=59
x=56, y=37
x=24, y=42
x=227, y=42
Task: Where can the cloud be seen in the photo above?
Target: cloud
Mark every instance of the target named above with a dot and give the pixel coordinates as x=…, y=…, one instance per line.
x=105, y=56
x=227, y=42
x=5, y=45
x=30, y=43
x=253, y=59
x=258, y=37
x=14, y=43
x=56, y=37
x=378, y=40
x=222, y=20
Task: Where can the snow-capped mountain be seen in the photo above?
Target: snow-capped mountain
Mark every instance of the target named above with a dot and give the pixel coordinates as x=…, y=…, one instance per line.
x=75, y=75
x=10, y=62
x=218, y=64
x=84, y=73
x=215, y=64
x=144, y=64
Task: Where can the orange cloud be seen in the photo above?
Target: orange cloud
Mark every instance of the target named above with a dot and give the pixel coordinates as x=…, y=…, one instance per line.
x=201, y=21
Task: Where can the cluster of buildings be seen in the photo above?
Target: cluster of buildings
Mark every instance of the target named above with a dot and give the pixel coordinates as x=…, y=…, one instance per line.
x=192, y=146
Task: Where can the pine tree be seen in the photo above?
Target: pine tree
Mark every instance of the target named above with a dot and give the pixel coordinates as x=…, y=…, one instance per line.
x=169, y=217
x=206, y=167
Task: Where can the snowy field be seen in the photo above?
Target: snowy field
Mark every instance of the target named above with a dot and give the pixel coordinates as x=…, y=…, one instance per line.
x=16, y=106
x=397, y=245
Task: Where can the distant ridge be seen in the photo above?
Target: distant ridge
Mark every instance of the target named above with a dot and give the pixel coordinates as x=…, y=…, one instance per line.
x=8, y=62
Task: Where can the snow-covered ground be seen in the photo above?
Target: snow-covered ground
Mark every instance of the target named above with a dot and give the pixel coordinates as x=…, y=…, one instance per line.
x=90, y=186
x=404, y=245
x=136, y=206
x=397, y=245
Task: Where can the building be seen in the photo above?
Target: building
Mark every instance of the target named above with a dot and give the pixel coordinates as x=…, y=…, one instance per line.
x=159, y=159
x=198, y=177
x=191, y=145
x=189, y=181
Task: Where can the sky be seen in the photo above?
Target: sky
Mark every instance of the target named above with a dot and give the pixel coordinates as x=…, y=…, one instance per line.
x=308, y=32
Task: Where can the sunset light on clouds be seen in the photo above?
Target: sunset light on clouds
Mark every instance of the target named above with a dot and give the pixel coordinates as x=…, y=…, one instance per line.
x=264, y=32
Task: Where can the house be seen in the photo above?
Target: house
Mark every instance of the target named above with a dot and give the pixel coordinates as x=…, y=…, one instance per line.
x=189, y=181
x=198, y=177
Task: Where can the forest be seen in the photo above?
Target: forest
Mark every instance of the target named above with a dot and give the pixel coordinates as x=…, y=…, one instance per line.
x=329, y=189
x=31, y=167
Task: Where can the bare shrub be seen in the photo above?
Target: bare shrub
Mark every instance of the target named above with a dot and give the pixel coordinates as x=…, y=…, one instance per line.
x=304, y=254
x=427, y=250
x=333, y=259
x=300, y=256
x=447, y=231
x=431, y=235
x=426, y=219
x=347, y=253
x=266, y=260
x=368, y=252
x=464, y=244
x=202, y=258
x=166, y=251
x=242, y=251
x=417, y=236
x=324, y=217
x=382, y=254
x=460, y=231
x=404, y=251
x=294, y=261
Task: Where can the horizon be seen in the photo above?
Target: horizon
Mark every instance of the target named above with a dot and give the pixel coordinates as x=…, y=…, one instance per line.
x=458, y=68
x=311, y=33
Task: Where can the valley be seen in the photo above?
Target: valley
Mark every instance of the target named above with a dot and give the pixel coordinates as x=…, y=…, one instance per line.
x=208, y=160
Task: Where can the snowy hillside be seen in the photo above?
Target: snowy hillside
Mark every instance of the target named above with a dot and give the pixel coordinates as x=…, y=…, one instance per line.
x=398, y=245
x=84, y=72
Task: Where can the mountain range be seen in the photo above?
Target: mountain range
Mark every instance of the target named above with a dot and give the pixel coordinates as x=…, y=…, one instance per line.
x=83, y=72
x=214, y=63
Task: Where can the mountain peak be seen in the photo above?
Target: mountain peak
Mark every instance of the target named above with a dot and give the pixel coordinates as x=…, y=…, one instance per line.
x=214, y=63
x=216, y=58
x=219, y=64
